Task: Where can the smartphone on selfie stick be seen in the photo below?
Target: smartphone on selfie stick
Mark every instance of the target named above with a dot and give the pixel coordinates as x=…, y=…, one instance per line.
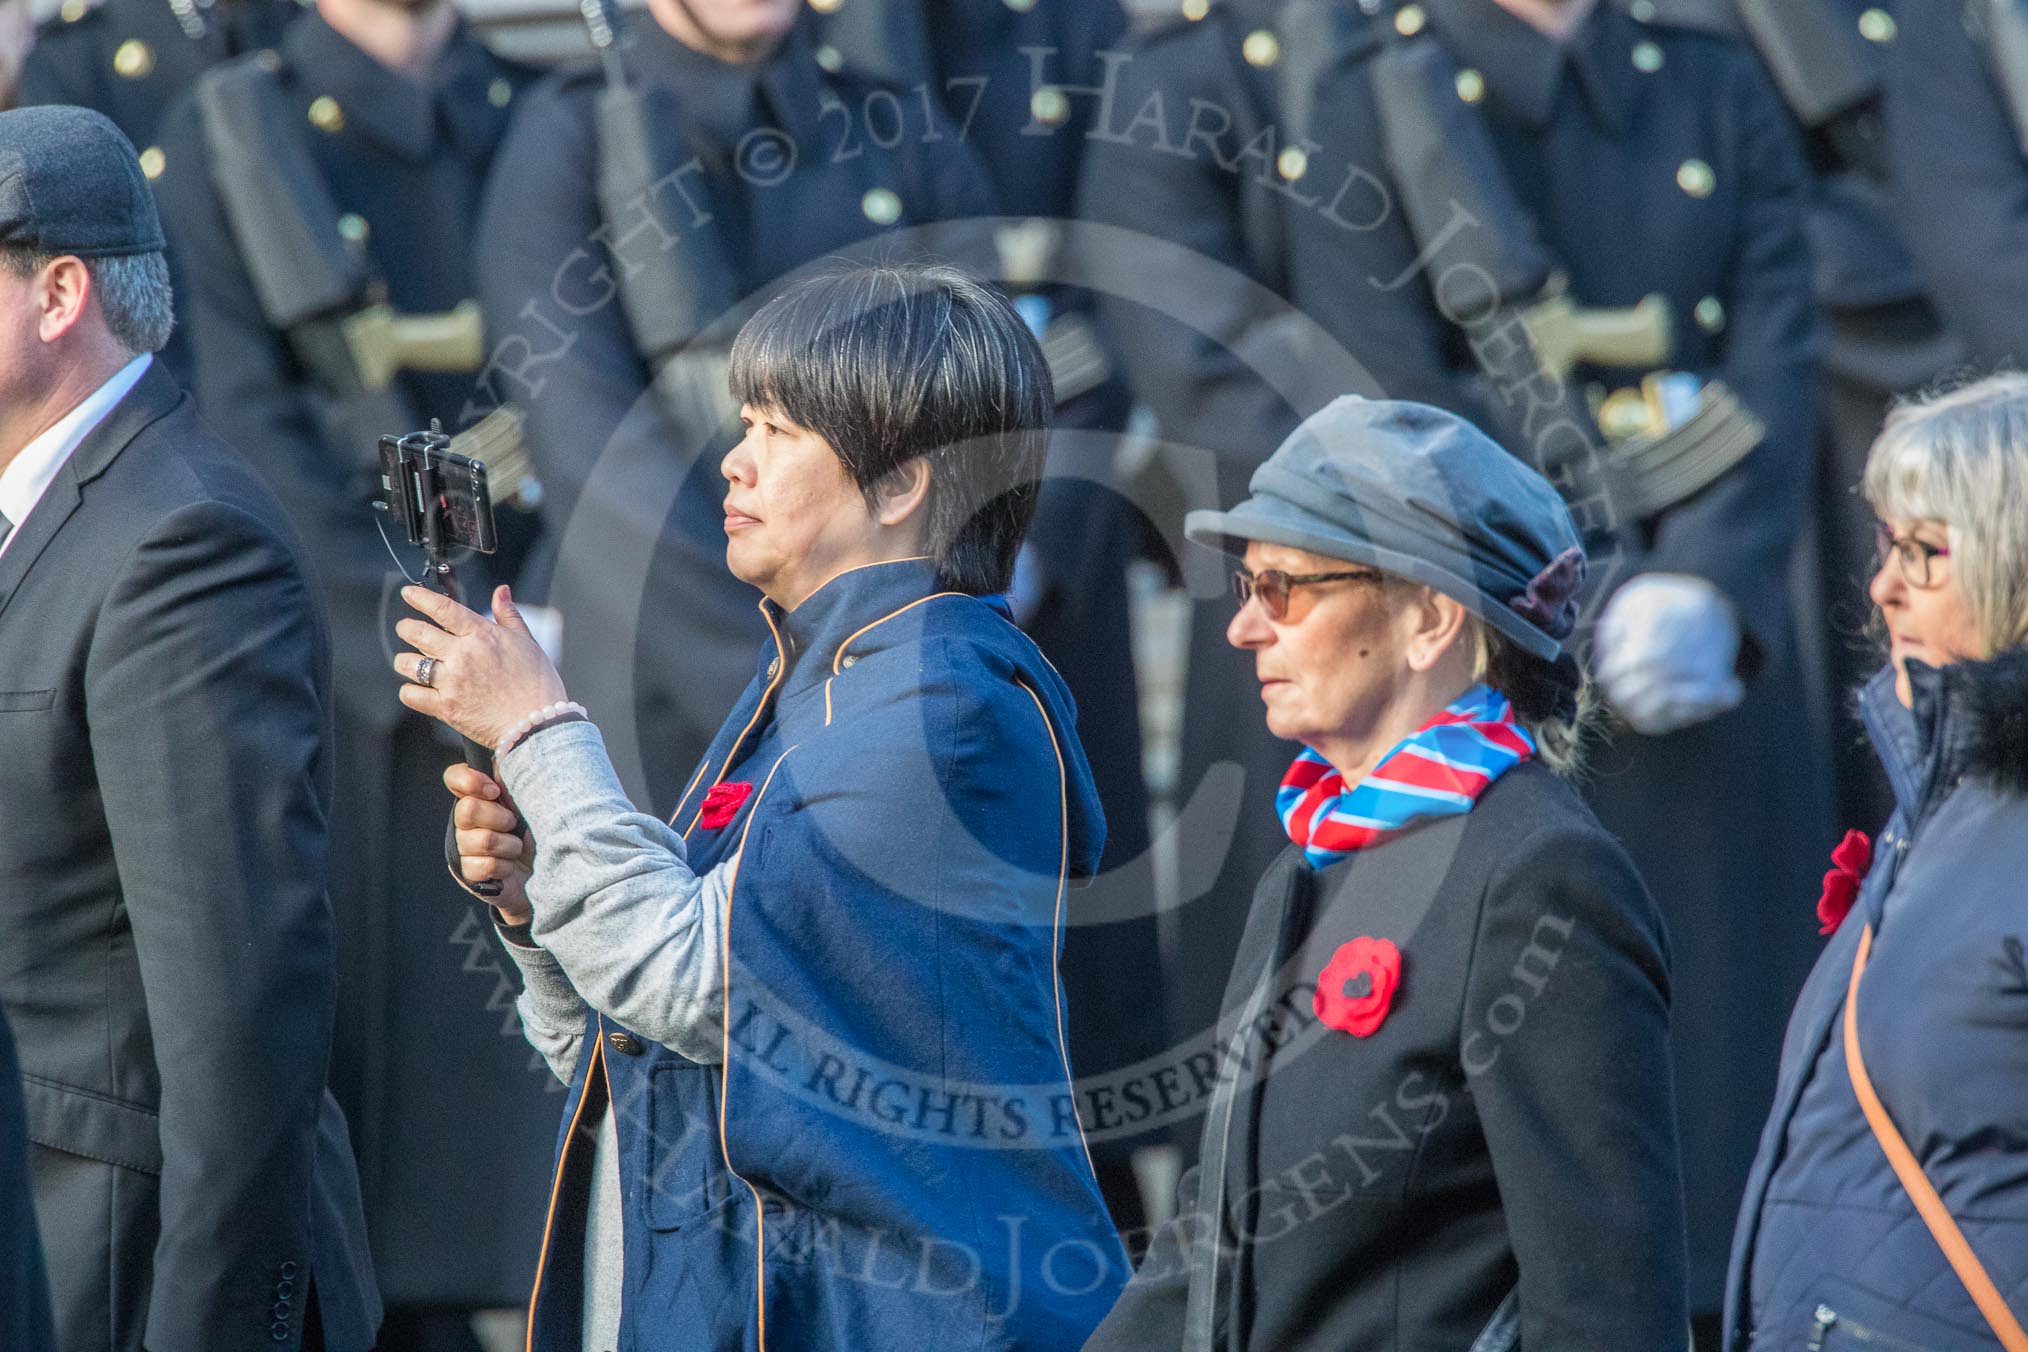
x=441, y=501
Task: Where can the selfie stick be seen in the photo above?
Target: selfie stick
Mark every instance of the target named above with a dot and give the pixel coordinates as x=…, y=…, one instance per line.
x=444, y=578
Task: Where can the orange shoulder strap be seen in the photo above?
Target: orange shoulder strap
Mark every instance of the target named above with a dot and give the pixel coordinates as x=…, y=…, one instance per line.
x=1930, y=1206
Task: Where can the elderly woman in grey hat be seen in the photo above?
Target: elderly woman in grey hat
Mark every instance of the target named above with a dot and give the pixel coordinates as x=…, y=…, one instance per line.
x=1443, y=1115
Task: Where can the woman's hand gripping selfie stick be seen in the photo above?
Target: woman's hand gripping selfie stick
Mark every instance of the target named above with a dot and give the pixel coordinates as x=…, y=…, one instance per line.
x=442, y=501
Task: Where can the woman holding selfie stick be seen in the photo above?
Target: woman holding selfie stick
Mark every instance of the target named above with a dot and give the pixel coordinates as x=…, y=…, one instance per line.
x=813, y=1027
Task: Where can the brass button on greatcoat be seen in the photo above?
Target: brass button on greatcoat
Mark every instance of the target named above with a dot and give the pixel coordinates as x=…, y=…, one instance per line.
x=326, y=115
x=881, y=206
x=134, y=60
x=1695, y=178
x=626, y=1044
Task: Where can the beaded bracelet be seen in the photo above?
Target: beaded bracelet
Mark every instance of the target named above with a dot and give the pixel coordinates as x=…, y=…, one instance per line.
x=563, y=711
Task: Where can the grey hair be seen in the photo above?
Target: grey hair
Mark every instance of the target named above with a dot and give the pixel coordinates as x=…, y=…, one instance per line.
x=133, y=290
x=1960, y=457
x=1555, y=716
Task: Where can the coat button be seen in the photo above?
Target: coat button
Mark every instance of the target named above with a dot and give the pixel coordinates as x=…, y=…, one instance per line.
x=1409, y=20
x=289, y=1269
x=1710, y=314
x=279, y=1331
x=1695, y=178
x=1471, y=85
x=830, y=59
x=1261, y=48
x=281, y=1312
x=1877, y=25
x=625, y=1043
x=285, y=1288
x=500, y=93
x=881, y=206
x=848, y=661
x=153, y=162
x=134, y=60
x=1647, y=57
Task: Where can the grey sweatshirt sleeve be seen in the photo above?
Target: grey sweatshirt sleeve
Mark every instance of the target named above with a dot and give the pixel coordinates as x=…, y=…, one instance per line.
x=552, y=1012
x=633, y=932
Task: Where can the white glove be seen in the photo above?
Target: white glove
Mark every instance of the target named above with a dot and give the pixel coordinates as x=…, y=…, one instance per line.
x=1665, y=653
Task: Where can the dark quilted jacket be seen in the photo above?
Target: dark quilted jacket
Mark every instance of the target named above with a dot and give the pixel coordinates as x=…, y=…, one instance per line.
x=1830, y=1252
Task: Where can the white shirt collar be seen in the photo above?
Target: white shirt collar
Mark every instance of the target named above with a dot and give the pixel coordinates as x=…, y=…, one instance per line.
x=24, y=481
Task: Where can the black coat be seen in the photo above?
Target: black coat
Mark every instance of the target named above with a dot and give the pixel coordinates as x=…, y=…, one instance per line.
x=1508, y=1128
x=421, y=1051
x=1829, y=1244
x=24, y=1286
x=166, y=949
x=1593, y=145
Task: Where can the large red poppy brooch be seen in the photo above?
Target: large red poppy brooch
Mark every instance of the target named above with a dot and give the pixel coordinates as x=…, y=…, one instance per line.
x=1849, y=863
x=721, y=804
x=1356, y=988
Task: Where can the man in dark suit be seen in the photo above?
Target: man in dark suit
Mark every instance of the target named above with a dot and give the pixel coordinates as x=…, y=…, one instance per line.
x=166, y=955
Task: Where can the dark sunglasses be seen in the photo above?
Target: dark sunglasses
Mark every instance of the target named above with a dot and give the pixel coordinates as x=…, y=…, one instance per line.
x=1913, y=556
x=1271, y=585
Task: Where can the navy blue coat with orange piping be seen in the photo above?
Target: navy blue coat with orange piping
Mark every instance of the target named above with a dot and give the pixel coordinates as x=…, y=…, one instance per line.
x=889, y=1156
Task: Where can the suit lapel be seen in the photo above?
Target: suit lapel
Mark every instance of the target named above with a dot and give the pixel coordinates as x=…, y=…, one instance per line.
x=152, y=396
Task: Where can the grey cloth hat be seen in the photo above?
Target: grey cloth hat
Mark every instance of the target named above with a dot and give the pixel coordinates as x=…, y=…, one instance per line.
x=1424, y=495
x=70, y=183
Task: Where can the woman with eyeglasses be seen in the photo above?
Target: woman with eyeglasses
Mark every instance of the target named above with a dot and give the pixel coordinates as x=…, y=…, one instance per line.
x=1442, y=1115
x=1888, y=1208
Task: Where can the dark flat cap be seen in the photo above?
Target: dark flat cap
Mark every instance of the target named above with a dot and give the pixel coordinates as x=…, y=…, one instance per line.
x=70, y=183
x=1424, y=495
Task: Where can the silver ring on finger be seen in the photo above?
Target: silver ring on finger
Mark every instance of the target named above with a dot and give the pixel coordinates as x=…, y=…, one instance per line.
x=426, y=671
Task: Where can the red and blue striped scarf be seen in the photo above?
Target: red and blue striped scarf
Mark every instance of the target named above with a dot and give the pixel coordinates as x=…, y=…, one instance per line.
x=1438, y=771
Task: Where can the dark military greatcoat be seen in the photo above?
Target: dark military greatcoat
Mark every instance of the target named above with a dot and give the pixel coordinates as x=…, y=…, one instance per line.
x=1653, y=160
x=420, y=1060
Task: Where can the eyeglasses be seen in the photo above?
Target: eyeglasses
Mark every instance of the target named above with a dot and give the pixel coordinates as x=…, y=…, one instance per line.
x=1272, y=585
x=1913, y=556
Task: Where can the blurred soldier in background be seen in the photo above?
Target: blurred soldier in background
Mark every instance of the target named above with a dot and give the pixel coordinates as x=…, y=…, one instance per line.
x=635, y=207
x=1831, y=61
x=1957, y=134
x=131, y=59
x=1000, y=70
x=322, y=197
x=1477, y=201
